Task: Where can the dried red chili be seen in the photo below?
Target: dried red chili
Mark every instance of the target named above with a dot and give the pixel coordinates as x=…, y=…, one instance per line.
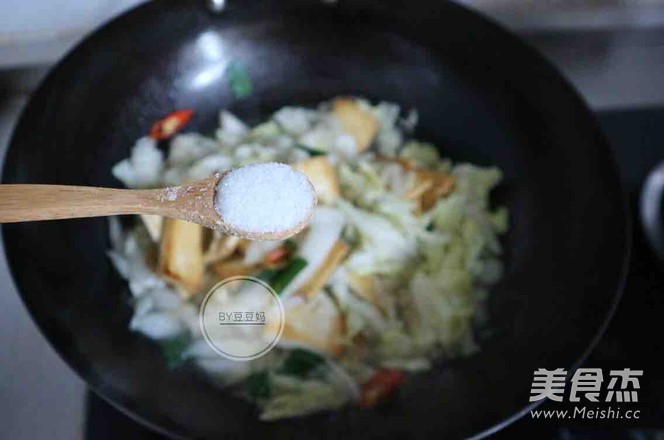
x=171, y=124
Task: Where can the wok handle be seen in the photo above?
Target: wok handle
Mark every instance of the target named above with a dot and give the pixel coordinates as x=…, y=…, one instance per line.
x=652, y=199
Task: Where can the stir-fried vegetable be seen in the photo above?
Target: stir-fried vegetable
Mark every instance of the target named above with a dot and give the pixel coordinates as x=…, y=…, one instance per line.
x=390, y=274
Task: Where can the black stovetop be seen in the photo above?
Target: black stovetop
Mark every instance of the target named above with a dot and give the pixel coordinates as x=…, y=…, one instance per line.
x=633, y=339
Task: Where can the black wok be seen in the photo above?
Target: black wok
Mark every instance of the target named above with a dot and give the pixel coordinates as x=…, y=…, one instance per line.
x=482, y=95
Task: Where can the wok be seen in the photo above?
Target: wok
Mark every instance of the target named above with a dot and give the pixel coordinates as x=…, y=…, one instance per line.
x=482, y=95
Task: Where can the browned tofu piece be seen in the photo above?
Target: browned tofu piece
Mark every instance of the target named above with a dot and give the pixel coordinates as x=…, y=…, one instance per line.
x=359, y=123
x=440, y=184
x=153, y=224
x=181, y=254
x=418, y=190
x=365, y=287
x=316, y=323
x=221, y=247
x=323, y=176
x=430, y=185
x=335, y=256
x=232, y=267
x=404, y=163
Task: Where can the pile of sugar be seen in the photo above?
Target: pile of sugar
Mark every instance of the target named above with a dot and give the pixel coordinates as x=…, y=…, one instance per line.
x=264, y=198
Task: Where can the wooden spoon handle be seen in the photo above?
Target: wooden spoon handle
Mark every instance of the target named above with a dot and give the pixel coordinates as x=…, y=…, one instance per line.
x=20, y=202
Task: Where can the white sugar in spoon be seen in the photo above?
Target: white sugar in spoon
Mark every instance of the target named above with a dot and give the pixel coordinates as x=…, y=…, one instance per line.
x=267, y=201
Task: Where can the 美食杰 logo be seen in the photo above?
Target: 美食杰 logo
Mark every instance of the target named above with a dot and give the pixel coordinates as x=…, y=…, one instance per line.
x=587, y=382
x=588, y=385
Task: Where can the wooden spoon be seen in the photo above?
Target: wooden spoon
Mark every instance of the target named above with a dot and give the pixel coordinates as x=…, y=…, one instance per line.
x=193, y=202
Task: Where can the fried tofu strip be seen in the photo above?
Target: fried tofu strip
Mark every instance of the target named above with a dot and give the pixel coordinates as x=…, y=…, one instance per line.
x=359, y=123
x=221, y=247
x=316, y=323
x=181, y=255
x=430, y=185
x=323, y=176
x=365, y=287
x=418, y=191
x=335, y=256
x=439, y=185
x=406, y=164
x=153, y=224
x=232, y=267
